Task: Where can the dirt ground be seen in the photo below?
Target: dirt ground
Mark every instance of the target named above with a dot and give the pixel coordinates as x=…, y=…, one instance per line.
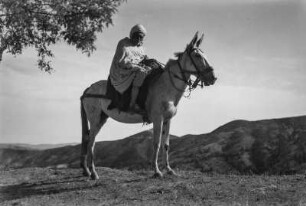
x=45, y=186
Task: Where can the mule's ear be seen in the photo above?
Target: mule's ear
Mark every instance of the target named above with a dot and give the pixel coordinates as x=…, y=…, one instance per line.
x=191, y=45
x=200, y=40
x=194, y=40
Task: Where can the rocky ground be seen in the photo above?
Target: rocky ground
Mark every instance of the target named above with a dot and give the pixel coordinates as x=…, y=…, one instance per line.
x=45, y=186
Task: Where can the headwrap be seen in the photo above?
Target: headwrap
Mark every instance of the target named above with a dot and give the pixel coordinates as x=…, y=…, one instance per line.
x=138, y=28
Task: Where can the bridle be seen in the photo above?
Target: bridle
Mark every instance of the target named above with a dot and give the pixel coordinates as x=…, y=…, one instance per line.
x=191, y=84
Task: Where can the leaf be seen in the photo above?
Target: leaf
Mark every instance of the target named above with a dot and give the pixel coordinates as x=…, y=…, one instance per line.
x=42, y=23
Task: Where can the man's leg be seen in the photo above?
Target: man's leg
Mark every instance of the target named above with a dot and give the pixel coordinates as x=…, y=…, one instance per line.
x=134, y=94
x=139, y=78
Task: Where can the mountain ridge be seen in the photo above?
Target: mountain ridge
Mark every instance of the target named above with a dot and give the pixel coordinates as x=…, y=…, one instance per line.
x=275, y=146
x=33, y=146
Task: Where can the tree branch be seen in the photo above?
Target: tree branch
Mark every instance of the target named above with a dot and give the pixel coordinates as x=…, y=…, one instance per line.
x=41, y=23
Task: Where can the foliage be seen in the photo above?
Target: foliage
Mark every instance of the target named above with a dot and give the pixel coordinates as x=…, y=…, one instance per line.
x=42, y=23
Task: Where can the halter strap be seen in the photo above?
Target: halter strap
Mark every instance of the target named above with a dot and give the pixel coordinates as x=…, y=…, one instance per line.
x=183, y=78
x=182, y=72
x=172, y=81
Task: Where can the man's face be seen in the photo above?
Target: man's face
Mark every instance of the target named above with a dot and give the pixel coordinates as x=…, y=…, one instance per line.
x=137, y=39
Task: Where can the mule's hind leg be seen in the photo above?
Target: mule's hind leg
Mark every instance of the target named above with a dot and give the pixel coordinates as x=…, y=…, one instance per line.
x=94, y=129
x=85, y=140
x=166, y=137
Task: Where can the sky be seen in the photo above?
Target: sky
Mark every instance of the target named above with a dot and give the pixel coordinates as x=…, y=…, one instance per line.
x=257, y=49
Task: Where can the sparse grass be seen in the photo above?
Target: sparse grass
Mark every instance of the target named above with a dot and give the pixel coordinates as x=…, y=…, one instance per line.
x=41, y=186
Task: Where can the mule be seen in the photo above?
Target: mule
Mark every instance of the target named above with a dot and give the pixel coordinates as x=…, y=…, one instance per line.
x=161, y=105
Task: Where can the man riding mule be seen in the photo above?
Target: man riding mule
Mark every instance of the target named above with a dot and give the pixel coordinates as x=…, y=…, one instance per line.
x=163, y=96
x=126, y=69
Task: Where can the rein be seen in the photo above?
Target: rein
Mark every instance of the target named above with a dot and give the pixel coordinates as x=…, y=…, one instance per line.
x=177, y=77
x=195, y=83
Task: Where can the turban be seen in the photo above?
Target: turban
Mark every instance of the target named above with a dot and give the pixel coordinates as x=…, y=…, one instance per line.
x=138, y=28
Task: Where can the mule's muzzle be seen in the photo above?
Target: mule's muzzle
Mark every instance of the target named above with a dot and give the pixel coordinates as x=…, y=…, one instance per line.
x=210, y=81
x=209, y=77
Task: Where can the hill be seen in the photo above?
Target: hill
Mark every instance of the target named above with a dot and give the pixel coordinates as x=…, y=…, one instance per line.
x=275, y=146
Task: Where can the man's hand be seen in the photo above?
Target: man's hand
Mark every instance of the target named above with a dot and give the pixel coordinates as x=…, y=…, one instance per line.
x=144, y=69
x=147, y=68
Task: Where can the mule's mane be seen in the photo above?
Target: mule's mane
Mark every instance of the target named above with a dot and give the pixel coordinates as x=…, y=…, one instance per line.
x=171, y=62
x=178, y=55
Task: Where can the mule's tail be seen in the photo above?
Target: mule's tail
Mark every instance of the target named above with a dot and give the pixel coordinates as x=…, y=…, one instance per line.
x=85, y=133
x=85, y=128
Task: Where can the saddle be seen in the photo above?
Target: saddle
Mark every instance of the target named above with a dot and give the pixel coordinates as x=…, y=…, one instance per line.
x=122, y=101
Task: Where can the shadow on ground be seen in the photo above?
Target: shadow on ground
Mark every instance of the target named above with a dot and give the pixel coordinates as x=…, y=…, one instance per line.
x=48, y=187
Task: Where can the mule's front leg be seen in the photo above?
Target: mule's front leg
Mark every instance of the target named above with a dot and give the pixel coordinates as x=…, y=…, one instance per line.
x=166, y=128
x=157, y=128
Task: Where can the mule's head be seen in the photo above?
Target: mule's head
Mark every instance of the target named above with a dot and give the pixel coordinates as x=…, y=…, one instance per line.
x=197, y=63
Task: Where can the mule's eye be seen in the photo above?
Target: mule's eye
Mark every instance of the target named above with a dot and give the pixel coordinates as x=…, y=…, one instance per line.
x=198, y=55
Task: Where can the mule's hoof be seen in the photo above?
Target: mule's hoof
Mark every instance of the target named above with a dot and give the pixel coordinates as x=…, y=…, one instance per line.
x=158, y=175
x=94, y=176
x=86, y=173
x=171, y=172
